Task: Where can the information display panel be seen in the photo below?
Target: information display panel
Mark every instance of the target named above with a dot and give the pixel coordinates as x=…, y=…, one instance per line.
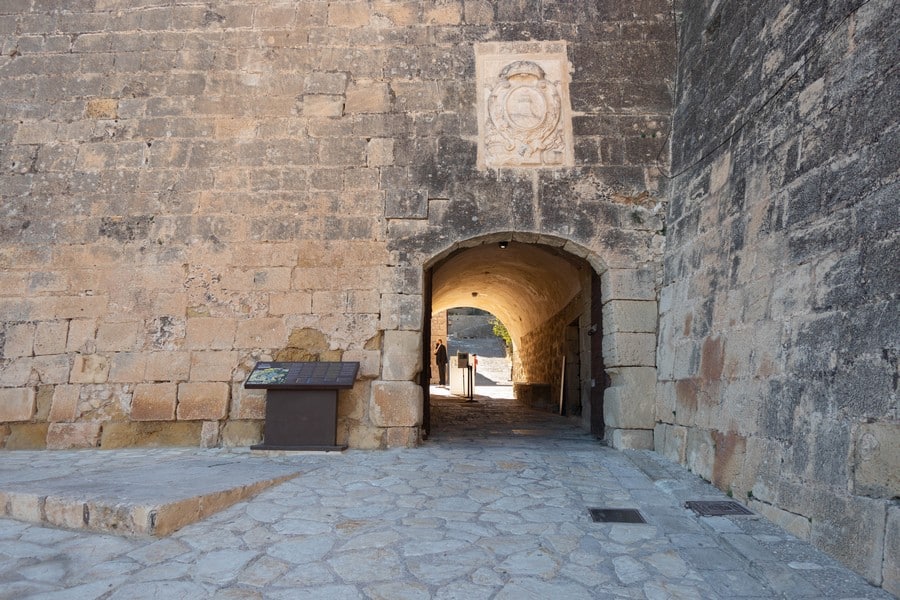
x=302, y=375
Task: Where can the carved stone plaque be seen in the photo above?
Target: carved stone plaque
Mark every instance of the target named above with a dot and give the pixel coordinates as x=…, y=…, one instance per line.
x=524, y=114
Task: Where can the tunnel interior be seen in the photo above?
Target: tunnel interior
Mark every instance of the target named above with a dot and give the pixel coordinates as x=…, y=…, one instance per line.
x=543, y=295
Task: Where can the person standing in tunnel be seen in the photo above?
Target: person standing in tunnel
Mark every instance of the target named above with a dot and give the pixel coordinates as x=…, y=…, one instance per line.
x=440, y=357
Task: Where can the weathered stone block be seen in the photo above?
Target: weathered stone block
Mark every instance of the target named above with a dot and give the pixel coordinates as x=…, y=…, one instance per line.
x=43, y=401
x=794, y=523
x=700, y=453
x=400, y=14
x=213, y=365
x=402, y=437
x=319, y=82
x=81, y=333
x=50, y=337
x=876, y=460
x=261, y=333
x=27, y=436
x=353, y=404
x=168, y=366
x=242, y=433
x=401, y=311
x=671, y=441
x=101, y=108
x=627, y=402
x=891, y=574
x=209, y=434
x=369, y=361
x=127, y=367
x=24, y=506
x=202, y=401
x=323, y=106
x=851, y=529
x=63, y=512
x=629, y=349
x=406, y=204
x=19, y=340
x=149, y=434
x=401, y=355
x=629, y=316
x=444, y=12
x=365, y=437
x=396, y=404
x=363, y=301
x=207, y=333
x=117, y=337
x=380, y=152
x=369, y=97
x=636, y=439
x=64, y=436
x=89, y=368
x=348, y=14
x=292, y=303
x=64, y=406
x=51, y=369
x=154, y=402
x=16, y=404
x=478, y=12
x=247, y=404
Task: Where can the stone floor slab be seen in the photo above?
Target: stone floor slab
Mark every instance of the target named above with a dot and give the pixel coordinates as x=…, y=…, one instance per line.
x=493, y=505
x=130, y=492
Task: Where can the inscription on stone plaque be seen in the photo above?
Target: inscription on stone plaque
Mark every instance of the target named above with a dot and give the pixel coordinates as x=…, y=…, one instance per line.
x=524, y=114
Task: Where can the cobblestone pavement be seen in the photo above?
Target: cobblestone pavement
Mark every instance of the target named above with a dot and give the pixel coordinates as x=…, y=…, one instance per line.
x=477, y=512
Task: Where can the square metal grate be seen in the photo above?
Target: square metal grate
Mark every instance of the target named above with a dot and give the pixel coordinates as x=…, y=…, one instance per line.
x=616, y=515
x=717, y=508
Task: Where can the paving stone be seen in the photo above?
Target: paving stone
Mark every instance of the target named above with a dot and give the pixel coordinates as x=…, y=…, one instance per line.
x=388, y=524
x=629, y=570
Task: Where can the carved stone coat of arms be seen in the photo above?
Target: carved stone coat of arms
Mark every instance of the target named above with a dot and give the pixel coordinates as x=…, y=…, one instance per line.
x=525, y=118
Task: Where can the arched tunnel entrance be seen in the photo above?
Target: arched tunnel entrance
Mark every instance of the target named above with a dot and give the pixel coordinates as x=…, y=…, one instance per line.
x=549, y=301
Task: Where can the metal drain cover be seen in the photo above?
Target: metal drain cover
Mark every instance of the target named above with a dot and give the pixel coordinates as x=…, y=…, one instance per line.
x=616, y=515
x=717, y=508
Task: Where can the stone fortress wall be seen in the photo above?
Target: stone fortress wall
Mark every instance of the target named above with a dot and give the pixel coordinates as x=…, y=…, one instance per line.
x=779, y=308
x=191, y=187
x=187, y=188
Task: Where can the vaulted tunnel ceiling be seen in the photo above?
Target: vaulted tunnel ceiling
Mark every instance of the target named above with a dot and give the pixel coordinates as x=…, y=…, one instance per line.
x=523, y=285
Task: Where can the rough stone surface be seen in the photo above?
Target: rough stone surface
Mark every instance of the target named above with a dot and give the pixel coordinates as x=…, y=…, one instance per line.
x=64, y=405
x=180, y=179
x=472, y=514
x=202, y=401
x=27, y=436
x=150, y=434
x=304, y=180
x=876, y=456
x=778, y=330
x=17, y=404
x=623, y=401
x=63, y=436
x=891, y=574
x=242, y=433
x=401, y=358
x=396, y=404
x=154, y=402
x=89, y=368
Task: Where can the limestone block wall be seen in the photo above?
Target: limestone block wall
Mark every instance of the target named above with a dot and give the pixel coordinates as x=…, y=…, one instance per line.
x=778, y=315
x=541, y=354
x=190, y=187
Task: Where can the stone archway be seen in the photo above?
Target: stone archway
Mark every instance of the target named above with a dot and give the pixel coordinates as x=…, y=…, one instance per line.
x=541, y=287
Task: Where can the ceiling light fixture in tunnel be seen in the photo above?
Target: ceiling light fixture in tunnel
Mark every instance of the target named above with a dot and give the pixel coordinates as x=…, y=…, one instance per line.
x=503, y=245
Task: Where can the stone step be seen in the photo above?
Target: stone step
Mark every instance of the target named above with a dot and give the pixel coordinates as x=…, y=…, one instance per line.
x=126, y=492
